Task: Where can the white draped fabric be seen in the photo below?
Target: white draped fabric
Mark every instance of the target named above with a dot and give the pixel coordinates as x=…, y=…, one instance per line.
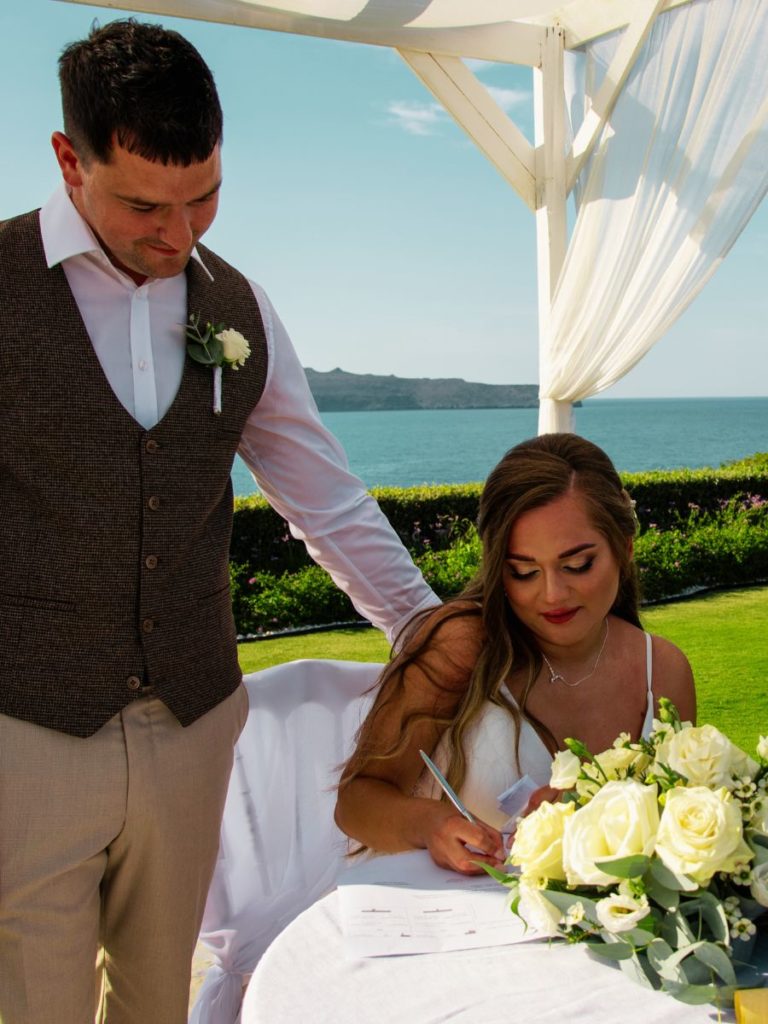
x=679, y=169
x=280, y=849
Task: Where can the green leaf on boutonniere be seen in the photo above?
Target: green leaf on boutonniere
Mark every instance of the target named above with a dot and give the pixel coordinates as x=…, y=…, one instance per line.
x=199, y=354
x=217, y=350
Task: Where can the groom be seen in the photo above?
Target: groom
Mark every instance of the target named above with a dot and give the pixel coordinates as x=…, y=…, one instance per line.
x=120, y=692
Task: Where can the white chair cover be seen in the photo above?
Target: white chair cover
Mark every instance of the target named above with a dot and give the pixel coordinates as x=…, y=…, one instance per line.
x=280, y=848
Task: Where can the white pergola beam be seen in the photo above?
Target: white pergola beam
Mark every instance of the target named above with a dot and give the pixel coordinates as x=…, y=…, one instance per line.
x=551, y=194
x=513, y=42
x=587, y=20
x=470, y=104
x=632, y=41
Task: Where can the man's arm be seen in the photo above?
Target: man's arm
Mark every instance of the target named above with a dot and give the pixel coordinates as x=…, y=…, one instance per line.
x=302, y=471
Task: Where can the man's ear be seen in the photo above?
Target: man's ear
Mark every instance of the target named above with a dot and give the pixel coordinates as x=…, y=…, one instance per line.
x=68, y=160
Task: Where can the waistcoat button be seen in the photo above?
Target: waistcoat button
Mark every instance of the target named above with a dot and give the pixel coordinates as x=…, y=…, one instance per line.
x=133, y=683
x=148, y=625
x=152, y=445
x=151, y=561
x=154, y=503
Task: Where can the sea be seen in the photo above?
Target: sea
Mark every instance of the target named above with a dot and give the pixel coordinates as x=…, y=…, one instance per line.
x=406, y=448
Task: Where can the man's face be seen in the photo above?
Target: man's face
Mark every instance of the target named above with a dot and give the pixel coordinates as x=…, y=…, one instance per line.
x=147, y=215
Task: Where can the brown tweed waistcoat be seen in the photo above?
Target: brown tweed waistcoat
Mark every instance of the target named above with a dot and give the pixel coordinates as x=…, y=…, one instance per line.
x=114, y=539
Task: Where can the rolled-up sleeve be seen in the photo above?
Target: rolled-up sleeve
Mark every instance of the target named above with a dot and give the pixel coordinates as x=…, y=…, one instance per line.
x=302, y=471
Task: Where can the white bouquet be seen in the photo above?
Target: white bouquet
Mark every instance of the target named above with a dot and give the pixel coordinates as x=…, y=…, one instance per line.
x=656, y=857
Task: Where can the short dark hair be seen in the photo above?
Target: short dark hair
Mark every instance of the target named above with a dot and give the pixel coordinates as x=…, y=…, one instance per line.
x=146, y=87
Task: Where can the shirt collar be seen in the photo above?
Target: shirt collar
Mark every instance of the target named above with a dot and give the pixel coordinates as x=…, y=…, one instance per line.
x=66, y=234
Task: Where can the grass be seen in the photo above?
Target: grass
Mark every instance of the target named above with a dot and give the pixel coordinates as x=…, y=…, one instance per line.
x=723, y=634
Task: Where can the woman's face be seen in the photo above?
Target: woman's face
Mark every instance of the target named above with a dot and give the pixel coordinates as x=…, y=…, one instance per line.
x=561, y=577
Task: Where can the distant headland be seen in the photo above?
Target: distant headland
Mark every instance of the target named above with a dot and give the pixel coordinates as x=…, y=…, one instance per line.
x=339, y=391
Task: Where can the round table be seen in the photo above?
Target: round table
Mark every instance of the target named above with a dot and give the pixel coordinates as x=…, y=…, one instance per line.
x=305, y=976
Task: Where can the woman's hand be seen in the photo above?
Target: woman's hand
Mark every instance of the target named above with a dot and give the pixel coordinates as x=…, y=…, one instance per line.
x=458, y=844
x=539, y=796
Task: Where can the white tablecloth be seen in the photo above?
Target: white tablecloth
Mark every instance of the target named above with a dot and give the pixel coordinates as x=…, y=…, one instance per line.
x=305, y=977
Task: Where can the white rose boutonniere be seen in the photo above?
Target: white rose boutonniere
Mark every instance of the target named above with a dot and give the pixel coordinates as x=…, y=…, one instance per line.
x=216, y=346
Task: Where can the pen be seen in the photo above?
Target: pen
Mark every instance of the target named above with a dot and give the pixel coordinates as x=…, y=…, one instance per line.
x=447, y=788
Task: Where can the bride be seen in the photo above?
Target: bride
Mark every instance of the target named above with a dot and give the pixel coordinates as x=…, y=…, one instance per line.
x=544, y=644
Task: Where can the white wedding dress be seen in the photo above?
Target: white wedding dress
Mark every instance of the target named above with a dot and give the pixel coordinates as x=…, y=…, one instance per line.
x=490, y=756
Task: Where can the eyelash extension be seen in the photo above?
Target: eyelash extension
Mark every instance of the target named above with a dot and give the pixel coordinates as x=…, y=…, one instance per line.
x=581, y=568
x=577, y=570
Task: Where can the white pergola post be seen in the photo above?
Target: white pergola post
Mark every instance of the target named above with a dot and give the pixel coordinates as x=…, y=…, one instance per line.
x=551, y=196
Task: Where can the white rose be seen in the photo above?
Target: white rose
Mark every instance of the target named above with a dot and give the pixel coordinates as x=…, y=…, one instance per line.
x=538, y=845
x=759, y=886
x=236, y=348
x=617, y=761
x=536, y=910
x=621, y=820
x=762, y=748
x=565, y=770
x=700, y=833
x=618, y=913
x=705, y=757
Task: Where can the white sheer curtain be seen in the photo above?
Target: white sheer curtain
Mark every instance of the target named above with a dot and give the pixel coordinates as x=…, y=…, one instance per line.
x=677, y=173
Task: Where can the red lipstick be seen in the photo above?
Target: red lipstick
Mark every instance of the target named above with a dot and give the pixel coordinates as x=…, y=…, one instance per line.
x=560, y=615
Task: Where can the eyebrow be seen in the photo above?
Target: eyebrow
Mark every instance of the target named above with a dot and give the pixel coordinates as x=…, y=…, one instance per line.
x=139, y=201
x=512, y=557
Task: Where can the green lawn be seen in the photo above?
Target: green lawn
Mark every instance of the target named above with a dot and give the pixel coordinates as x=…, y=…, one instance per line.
x=725, y=636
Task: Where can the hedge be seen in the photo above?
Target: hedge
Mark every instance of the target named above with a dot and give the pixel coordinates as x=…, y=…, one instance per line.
x=431, y=518
x=725, y=547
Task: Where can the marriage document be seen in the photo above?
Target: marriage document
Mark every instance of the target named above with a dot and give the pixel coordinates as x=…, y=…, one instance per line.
x=404, y=903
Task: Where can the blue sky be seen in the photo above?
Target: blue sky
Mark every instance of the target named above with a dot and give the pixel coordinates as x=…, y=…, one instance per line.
x=386, y=241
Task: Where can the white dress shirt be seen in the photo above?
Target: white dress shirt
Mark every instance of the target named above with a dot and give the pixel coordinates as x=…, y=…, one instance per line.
x=137, y=332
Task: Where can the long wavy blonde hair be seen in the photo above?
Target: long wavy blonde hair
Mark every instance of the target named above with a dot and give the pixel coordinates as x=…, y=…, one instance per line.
x=532, y=474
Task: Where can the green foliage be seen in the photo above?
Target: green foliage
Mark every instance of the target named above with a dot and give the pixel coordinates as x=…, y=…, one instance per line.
x=449, y=571
x=433, y=518
x=727, y=547
x=264, y=603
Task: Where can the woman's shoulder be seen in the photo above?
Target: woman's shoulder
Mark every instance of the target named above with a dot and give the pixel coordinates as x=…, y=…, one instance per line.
x=454, y=620
x=673, y=676
x=449, y=637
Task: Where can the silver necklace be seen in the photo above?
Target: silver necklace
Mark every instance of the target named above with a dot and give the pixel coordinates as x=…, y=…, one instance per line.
x=555, y=676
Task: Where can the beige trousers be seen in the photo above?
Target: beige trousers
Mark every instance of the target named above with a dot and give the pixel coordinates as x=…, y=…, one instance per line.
x=108, y=844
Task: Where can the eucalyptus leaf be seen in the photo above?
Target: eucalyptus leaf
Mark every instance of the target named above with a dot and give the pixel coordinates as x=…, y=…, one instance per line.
x=625, y=867
x=658, y=950
x=675, y=930
x=712, y=913
x=199, y=354
x=217, y=351
x=667, y=898
x=565, y=900
x=670, y=879
x=634, y=970
x=717, y=960
x=639, y=937
x=611, y=950
x=693, y=995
